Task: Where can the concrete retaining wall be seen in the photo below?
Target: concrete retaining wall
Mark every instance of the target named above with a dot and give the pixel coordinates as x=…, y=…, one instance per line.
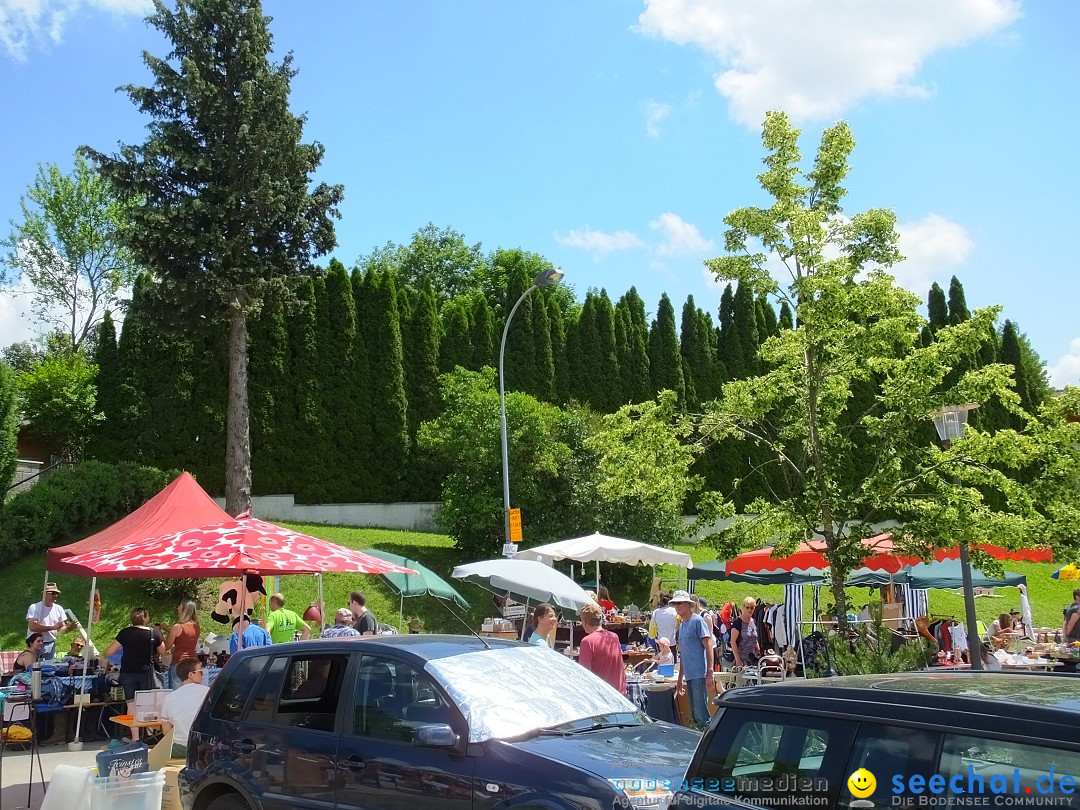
x=417, y=517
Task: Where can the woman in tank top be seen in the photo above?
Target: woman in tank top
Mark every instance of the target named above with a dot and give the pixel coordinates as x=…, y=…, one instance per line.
x=182, y=640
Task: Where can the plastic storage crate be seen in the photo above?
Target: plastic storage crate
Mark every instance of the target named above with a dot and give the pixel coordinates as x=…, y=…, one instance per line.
x=141, y=792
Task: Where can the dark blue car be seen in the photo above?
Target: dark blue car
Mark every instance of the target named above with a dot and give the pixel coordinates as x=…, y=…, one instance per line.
x=406, y=722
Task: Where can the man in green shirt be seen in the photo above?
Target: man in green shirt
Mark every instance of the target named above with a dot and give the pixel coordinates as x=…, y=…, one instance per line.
x=282, y=624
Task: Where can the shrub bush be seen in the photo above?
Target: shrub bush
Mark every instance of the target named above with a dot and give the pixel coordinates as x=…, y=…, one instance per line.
x=75, y=502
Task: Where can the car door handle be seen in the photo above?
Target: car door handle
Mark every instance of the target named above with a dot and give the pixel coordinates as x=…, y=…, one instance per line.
x=355, y=763
x=243, y=747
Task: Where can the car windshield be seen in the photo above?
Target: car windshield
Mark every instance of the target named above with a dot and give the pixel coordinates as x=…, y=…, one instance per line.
x=510, y=692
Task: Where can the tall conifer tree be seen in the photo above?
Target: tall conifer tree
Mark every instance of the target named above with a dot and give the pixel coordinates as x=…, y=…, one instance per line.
x=665, y=362
x=271, y=401
x=544, y=383
x=389, y=413
x=106, y=442
x=958, y=308
x=455, y=348
x=224, y=214
x=484, y=332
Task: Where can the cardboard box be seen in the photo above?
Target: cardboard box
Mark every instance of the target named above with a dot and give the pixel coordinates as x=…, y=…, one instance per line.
x=170, y=793
x=148, y=705
x=161, y=753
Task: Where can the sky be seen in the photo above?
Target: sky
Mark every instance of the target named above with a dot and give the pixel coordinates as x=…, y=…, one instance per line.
x=614, y=136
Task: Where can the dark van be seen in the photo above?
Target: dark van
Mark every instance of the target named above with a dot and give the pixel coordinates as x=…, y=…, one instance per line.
x=914, y=739
x=424, y=721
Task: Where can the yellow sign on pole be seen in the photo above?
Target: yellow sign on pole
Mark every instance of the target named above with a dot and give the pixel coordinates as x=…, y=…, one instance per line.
x=515, y=525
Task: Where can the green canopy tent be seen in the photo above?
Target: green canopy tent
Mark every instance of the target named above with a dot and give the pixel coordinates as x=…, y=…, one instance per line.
x=930, y=575
x=424, y=581
x=717, y=570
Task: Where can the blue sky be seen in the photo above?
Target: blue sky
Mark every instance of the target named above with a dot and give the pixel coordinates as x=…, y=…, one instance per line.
x=613, y=136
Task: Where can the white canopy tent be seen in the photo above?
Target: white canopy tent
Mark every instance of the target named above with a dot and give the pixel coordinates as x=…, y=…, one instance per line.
x=525, y=581
x=600, y=548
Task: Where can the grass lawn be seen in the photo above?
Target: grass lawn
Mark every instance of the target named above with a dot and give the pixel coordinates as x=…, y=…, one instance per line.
x=22, y=580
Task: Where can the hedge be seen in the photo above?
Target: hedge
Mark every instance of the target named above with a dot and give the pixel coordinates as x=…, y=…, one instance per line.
x=75, y=502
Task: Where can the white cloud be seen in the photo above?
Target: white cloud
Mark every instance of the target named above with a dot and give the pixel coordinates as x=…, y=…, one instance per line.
x=816, y=59
x=600, y=243
x=655, y=113
x=25, y=23
x=680, y=237
x=16, y=320
x=1066, y=371
x=932, y=246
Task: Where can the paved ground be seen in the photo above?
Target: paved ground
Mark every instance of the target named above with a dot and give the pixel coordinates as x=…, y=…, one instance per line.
x=16, y=772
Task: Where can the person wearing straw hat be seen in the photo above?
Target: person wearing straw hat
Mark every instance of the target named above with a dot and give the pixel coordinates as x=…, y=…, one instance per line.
x=47, y=617
x=695, y=657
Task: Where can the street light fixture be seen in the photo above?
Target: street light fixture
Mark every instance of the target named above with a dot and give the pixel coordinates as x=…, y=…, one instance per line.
x=549, y=278
x=950, y=423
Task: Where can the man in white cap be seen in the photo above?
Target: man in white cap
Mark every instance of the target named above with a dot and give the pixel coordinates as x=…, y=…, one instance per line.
x=47, y=617
x=695, y=656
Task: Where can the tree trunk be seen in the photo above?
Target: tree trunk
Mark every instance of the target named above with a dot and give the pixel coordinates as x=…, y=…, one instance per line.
x=237, y=432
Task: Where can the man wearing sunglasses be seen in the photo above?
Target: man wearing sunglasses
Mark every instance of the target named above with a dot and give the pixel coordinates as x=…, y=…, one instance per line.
x=181, y=705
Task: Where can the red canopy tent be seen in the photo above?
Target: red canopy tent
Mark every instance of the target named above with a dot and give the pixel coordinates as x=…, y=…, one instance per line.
x=232, y=546
x=181, y=505
x=881, y=555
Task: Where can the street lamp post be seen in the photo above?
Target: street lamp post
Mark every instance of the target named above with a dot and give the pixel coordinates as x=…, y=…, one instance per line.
x=549, y=278
x=950, y=423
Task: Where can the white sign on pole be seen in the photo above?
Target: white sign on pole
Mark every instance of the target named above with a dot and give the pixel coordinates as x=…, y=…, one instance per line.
x=510, y=549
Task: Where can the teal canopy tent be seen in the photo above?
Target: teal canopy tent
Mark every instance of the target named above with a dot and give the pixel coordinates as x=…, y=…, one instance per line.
x=424, y=581
x=717, y=570
x=930, y=575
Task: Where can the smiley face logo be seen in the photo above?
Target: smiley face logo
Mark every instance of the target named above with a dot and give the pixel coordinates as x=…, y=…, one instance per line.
x=861, y=783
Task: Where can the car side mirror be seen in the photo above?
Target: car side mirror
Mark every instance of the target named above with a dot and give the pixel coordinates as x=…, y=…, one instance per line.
x=435, y=735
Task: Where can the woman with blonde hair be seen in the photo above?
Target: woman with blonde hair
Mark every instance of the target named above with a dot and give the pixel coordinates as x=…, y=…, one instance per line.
x=745, y=645
x=182, y=640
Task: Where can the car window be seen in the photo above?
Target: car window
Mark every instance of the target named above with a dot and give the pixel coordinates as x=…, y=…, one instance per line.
x=885, y=753
x=1019, y=768
x=302, y=691
x=393, y=698
x=768, y=757
x=236, y=690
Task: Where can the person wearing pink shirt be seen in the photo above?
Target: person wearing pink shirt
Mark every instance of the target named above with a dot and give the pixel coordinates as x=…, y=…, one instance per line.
x=601, y=651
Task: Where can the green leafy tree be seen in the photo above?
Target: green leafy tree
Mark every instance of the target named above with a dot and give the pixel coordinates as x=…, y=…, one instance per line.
x=642, y=476
x=542, y=453
x=9, y=426
x=435, y=257
x=519, y=356
x=221, y=209
x=68, y=247
x=361, y=384
x=855, y=324
x=59, y=400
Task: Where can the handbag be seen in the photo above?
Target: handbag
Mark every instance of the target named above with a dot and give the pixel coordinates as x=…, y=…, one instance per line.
x=157, y=666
